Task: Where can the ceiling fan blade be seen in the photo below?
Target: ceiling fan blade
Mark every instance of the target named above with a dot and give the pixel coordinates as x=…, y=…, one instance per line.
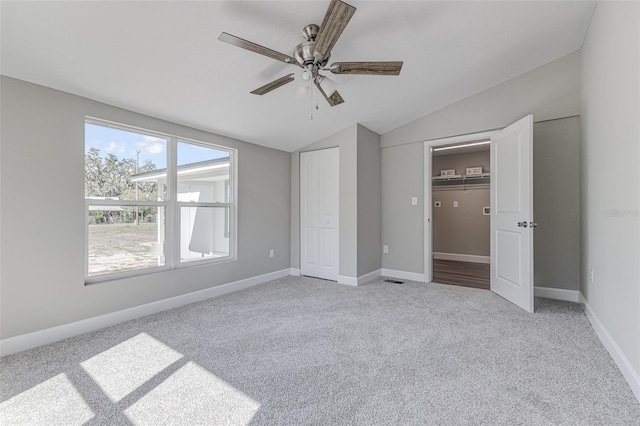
x=373, y=68
x=335, y=21
x=334, y=99
x=245, y=44
x=273, y=85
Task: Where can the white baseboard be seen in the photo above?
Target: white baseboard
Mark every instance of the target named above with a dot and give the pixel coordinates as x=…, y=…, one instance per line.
x=462, y=257
x=343, y=279
x=54, y=334
x=356, y=281
x=628, y=372
x=403, y=275
x=368, y=277
x=294, y=272
x=558, y=294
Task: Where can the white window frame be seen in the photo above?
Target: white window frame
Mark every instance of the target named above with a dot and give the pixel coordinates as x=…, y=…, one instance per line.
x=171, y=246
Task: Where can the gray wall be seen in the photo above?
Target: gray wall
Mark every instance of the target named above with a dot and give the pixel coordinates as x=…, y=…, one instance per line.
x=463, y=229
x=556, y=203
x=547, y=92
x=294, y=230
x=369, y=201
x=43, y=213
x=403, y=223
x=403, y=168
x=611, y=173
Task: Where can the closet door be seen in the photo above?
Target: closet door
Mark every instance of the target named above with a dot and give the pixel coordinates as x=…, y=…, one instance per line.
x=512, y=213
x=319, y=225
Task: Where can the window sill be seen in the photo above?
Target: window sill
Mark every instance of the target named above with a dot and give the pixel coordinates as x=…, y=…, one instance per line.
x=98, y=279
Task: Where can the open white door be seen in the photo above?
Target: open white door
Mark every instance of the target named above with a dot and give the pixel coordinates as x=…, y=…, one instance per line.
x=512, y=216
x=319, y=227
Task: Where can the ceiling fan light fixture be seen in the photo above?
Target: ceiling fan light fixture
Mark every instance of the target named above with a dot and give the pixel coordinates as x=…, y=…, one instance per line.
x=301, y=92
x=303, y=77
x=328, y=86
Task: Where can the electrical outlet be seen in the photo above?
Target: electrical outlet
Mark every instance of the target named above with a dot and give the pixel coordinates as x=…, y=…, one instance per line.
x=272, y=252
x=385, y=249
x=455, y=204
x=591, y=275
x=414, y=201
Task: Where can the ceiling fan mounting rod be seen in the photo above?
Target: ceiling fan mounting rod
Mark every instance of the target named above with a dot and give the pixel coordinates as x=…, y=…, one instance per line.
x=310, y=32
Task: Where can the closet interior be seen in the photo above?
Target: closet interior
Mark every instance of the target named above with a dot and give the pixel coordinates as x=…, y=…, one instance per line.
x=461, y=214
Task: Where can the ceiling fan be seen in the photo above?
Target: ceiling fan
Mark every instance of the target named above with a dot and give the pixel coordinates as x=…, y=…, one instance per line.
x=312, y=56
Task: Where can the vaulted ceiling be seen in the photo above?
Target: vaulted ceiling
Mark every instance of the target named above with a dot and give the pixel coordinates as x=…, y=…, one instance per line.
x=163, y=58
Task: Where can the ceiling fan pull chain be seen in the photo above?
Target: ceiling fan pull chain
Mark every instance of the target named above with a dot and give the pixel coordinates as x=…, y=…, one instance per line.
x=311, y=100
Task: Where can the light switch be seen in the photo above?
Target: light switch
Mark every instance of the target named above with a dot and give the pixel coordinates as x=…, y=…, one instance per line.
x=455, y=204
x=414, y=201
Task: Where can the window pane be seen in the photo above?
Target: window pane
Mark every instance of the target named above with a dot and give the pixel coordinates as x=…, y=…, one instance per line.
x=124, y=165
x=204, y=232
x=117, y=243
x=203, y=173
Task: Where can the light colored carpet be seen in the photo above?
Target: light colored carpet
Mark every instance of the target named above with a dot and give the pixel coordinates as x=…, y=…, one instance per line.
x=300, y=351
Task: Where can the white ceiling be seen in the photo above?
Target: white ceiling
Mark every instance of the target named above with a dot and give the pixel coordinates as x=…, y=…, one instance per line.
x=163, y=58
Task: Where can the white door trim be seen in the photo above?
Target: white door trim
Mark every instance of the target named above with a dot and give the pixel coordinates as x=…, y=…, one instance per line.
x=428, y=190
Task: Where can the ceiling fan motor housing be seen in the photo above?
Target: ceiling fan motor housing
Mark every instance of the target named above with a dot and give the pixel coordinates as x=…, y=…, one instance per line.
x=303, y=53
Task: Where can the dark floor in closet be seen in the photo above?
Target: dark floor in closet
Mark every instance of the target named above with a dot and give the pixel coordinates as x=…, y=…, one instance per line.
x=466, y=274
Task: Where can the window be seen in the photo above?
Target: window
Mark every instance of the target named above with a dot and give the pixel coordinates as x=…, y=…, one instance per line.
x=155, y=201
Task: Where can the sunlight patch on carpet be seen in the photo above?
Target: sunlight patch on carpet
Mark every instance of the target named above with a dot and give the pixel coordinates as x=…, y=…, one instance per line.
x=52, y=402
x=192, y=395
x=123, y=368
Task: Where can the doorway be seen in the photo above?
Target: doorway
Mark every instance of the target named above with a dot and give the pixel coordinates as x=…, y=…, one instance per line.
x=461, y=214
x=511, y=208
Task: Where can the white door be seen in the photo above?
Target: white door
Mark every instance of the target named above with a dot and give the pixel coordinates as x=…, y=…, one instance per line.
x=512, y=216
x=319, y=227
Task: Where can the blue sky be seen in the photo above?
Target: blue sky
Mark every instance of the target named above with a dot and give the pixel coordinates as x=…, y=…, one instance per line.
x=124, y=144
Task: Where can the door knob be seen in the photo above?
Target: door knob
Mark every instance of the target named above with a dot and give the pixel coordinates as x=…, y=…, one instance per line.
x=533, y=224
x=522, y=224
